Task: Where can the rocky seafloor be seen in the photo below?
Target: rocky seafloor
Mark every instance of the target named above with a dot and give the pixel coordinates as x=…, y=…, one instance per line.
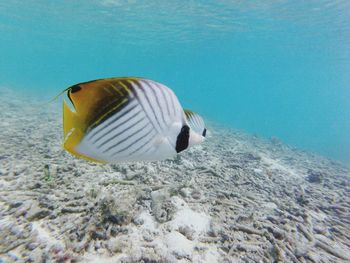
x=235, y=198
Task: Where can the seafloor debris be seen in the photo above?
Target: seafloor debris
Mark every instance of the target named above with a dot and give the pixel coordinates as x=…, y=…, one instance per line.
x=236, y=198
x=315, y=176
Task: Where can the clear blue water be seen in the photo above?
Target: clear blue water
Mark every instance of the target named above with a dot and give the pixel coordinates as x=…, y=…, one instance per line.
x=273, y=68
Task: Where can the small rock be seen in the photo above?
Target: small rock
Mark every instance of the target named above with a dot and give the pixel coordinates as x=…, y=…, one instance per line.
x=162, y=207
x=277, y=233
x=147, y=236
x=97, y=234
x=187, y=232
x=32, y=246
x=36, y=213
x=118, y=219
x=315, y=176
x=36, y=185
x=320, y=230
x=214, y=230
x=184, y=192
x=114, y=231
x=57, y=248
x=15, y=204
x=23, y=209
x=116, y=212
x=138, y=221
x=196, y=194
x=78, y=247
x=97, y=245
x=115, y=245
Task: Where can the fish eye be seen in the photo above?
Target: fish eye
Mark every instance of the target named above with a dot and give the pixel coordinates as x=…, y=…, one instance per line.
x=75, y=88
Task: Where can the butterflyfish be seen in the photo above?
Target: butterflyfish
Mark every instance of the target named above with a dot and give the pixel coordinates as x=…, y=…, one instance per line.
x=127, y=119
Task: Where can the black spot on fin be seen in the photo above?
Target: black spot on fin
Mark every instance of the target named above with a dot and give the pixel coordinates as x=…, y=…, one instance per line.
x=204, y=132
x=183, y=139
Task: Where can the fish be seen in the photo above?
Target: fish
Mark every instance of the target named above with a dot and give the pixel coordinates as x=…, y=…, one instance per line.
x=124, y=119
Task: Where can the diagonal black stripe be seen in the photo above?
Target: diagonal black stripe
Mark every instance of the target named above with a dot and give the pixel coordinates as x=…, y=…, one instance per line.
x=162, y=91
x=164, y=97
x=149, y=151
x=139, y=99
x=121, y=132
x=108, y=109
x=127, y=138
x=129, y=86
x=144, y=144
x=151, y=105
x=146, y=151
x=114, y=127
x=172, y=100
x=119, y=125
x=157, y=99
x=116, y=84
x=112, y=120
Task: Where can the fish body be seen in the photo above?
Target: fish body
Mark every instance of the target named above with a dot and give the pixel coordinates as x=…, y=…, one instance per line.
x=127, y=119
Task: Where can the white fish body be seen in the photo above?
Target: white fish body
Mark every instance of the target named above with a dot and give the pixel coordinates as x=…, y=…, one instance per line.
x=141, y=120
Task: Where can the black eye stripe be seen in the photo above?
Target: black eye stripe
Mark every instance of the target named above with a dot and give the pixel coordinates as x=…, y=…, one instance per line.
x=183, y=139
x=204, y=132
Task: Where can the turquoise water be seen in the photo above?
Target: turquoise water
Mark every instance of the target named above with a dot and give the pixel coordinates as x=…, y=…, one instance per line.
x=273, y=68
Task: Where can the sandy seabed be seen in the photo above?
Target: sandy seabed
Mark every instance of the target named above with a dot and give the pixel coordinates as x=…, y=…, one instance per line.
x=235, y=198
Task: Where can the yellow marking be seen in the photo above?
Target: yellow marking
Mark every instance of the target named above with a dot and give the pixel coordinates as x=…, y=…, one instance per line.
x=69, y=133
x=125, y=87
x=188, y=113
x=106, y=89
x=116, y=89
x=104, y=115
